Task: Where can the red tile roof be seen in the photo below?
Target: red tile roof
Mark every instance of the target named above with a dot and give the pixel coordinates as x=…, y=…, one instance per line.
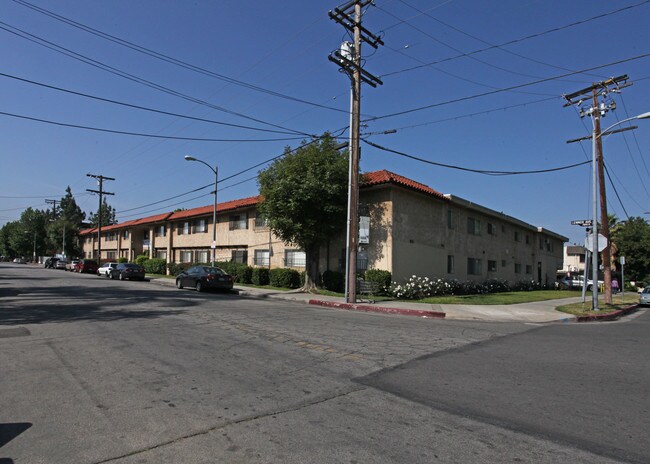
x=386, y=177
x=221, y=207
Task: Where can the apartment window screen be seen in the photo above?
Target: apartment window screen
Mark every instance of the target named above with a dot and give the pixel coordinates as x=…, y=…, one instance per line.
x=473, y=266
x=238, y=221
x=200, y=226
x=239, y=256
x=186, y=256
x=161, y=231
x=450, y=264
x=492, y=266
x=450, y=219
x=260, y=222
x=517, y=268
x=473, y=226
x=529, y=269
x=161, y=254
x=203, y=256
x=491, y=230
x=261, y=258
x=517, y=236
x=295, y=258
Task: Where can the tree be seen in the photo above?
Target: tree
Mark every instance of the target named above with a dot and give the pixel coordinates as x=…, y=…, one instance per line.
x=107, y=218
x=632, y=238
x=305, y=198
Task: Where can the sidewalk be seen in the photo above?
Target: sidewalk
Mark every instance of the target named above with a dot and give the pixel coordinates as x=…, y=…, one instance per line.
x=535, y=312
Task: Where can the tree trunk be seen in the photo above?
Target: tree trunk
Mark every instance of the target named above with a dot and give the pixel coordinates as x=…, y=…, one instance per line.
x=312, y=257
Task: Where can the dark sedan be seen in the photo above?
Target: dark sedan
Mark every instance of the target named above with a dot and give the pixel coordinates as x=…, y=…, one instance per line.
x=204, y=277
x=130, y=271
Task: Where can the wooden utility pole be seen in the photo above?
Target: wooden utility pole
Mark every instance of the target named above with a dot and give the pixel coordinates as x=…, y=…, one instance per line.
x=349, y=59
x=597, y=110
x=100, y=181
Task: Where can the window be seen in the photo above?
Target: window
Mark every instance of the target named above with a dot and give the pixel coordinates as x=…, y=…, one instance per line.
x=239, y=256
x=161, y=231
x=517, y=236
x=261, y=257
x=473, y=226
x=503, y=229
x=111, y=255
x=503, y=263
x=186, y=256
x=125, y=234
x=492, y=266
x=183, y=228
x=161, y=254
x=473, y=266
x=527, y=239
x=450, y=219
x=202, y=256
x=491, y=229
x=238, y=221
x=450, y=264
x=582, y=258
x=549, y=245
x=294, y=258
x=517, y=268
x=261, y=222
x=200, y=226
x=529, y=269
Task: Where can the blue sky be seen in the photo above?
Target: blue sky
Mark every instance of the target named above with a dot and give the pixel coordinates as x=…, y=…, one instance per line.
x=282, y=47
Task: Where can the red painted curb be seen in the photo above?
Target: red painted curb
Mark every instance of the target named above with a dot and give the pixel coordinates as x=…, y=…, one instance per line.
x=378, y=309
x=608, y=316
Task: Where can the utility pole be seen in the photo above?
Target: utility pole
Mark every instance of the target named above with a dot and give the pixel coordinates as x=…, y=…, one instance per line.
x=597, y=110
x=100, y=181
x=53, y=203
x=348, y=58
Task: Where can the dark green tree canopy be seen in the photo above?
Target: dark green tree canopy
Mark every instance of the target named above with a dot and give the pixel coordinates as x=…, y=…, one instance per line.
x=107, y=215
x=305, y=193
x=305, y=198
x=632, y=239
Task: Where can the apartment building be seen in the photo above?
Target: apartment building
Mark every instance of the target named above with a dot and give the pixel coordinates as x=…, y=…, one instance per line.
x=406, y=228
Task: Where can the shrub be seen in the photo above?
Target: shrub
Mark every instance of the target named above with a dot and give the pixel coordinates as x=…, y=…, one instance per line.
x=380, y=277
x=285, y=278
x=241, y=272
x=260, y=276
x=333, y=281
x=155, y=266
x=177, y=268
x=122, y=260
x=141, y=259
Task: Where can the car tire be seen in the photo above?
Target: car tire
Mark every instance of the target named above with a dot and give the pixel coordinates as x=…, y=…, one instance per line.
x=111, y=276
x=122, y=276
x=179, y=284
x=199, y=286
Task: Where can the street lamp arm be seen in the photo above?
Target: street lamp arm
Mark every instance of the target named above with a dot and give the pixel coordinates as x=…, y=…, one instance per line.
x=640, y=116
x=191, y=158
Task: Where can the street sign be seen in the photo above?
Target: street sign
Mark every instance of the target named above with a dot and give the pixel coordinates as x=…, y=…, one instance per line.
x=622, y=259
x=583, y=222
x=589, y=242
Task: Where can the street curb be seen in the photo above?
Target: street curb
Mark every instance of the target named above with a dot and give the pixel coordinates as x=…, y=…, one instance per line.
x=608, y=316
x=378, y=309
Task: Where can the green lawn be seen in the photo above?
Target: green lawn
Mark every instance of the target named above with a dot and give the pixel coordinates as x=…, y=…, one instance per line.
x=584, y=309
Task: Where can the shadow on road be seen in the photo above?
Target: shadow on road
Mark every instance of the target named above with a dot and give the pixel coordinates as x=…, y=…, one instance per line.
x=9, y=431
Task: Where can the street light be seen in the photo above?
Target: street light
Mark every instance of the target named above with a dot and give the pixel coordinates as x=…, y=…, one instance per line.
x=214, y=209
x=594, y=244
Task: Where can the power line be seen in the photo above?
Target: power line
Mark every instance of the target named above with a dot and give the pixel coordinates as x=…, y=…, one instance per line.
x=139, y=107
x=140, y=134
x=97, y=64
x=521, y=39
x=506, y=89
x=170, y=59
x=477, y=171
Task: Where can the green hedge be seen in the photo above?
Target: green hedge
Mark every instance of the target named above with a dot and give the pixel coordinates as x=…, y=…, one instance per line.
x=383, y=279
x=141, y=259
x=241, y=272
x=260, y=276
x=285, y=278
x=155, y=266
x=122, y=260
x=177, y=268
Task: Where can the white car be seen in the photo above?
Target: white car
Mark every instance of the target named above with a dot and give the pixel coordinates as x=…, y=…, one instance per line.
x=106, y=269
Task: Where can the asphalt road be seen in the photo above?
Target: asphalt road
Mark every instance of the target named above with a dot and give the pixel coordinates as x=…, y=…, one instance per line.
x=95, y=371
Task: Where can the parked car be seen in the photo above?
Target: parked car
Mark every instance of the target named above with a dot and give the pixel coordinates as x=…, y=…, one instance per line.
x=61, y=264
x=19, y=261
x=86, y=265
x=50, y=263
x=128, y=271
x=644, y=297
x=106, y=269
x=204, y=277
x=70, y=265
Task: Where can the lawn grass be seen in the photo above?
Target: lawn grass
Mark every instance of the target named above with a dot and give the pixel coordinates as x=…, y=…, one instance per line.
x=585, y=309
